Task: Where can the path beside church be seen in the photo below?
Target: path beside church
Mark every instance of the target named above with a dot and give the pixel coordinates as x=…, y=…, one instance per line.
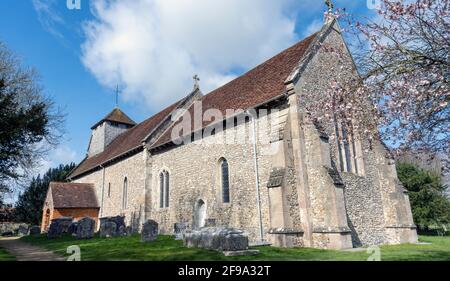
x=26, y=252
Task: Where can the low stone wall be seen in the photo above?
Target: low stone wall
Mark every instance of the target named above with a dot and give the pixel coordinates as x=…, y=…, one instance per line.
x=13, y=227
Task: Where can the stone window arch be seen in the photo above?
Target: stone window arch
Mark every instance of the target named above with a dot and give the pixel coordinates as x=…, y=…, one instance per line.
x=164, y=188
x=161, y=190
x=349, y=150
x=225, y=180
x=125, y=193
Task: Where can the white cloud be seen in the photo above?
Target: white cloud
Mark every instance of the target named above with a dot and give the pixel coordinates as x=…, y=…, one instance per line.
x=154, y=47
x=48, y=16
x=314, y=26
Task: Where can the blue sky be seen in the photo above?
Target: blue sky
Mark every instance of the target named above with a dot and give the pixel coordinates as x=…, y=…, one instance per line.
x=151, y=48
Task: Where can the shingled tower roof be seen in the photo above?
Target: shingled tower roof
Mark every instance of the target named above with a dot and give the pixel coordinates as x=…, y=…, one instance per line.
x=116, y=115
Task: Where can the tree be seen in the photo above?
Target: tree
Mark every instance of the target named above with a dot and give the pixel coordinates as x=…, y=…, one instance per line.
x=406, y=71
x=430, y=206
x=402, y=91
x=29, y=122
x=30, y=203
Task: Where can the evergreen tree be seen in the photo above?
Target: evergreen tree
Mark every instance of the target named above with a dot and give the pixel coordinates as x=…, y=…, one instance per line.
x=29, y=205
x=430, y=206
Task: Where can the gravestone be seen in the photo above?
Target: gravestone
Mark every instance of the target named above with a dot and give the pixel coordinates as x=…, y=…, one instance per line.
x=122, y=231
x=58, y=227
x=108, y=229
x=22, y=230
x=113, y=226
x=217, y=238
x=149, y=231
x=85, y=228
x=35, y=230
x=72, y=228
x=179, y=229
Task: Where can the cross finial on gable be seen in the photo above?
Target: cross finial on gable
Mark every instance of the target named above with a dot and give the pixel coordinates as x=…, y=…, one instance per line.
x=330, y=5
x=196, y=81
x=329, y=15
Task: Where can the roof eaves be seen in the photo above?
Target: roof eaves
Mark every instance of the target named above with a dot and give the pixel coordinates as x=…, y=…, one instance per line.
x=284, y=94
x=106, y=162
x=311, y=51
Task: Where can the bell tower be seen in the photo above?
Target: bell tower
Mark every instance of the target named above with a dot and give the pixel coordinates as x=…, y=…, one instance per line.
x=107, y=129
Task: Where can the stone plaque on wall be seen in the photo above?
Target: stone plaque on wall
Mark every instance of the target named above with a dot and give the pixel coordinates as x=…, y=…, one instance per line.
x=276, y=177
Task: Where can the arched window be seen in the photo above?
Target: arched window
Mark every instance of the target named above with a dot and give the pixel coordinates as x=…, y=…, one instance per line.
x=164, y=185
x=347, y=153
x=166, y=188
x=346, y=149
x=161, y=190
x=125, y=193
x=225, y=180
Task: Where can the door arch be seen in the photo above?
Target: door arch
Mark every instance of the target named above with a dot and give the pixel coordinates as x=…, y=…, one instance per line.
x=199, y=214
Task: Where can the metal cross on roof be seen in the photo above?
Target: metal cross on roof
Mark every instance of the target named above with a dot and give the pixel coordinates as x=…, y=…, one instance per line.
x=329, y=5
x=196, y=81
x=117, y=95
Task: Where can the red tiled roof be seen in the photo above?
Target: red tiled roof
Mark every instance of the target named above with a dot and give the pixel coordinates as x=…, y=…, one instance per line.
x=264, y=82
x=116, y=115
x=261, y=84
x=73, y=195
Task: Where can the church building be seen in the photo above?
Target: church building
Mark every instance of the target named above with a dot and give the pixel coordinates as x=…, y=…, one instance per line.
x=297, y=185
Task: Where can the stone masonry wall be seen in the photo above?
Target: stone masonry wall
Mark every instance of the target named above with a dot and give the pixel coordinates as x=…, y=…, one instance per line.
x=365, y=204
x=194, y=174
x=366, y=191
x=133, y=168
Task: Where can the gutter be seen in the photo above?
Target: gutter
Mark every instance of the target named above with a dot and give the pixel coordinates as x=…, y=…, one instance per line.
x=103, y=191
x=255, y=161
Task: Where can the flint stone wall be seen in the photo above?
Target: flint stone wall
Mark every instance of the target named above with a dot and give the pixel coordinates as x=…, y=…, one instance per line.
x=133, y=168
x=369, y=188
x=195, y=175
x=14, y=228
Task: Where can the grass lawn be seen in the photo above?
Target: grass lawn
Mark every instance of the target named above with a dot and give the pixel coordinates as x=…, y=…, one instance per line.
x=4, y=256
x=167, y=249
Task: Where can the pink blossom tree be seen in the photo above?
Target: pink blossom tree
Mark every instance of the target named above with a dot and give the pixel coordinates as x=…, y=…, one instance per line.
x=401, y=94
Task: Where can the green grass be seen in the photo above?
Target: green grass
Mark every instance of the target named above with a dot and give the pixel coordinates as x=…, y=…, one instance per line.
x=167, y=249
x=5, y=256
